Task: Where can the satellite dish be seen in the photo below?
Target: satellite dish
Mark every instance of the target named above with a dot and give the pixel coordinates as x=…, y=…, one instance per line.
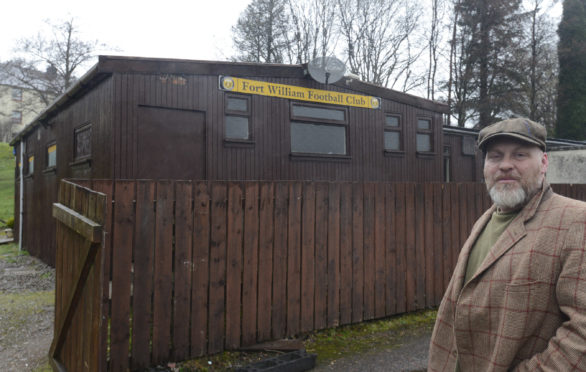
x=326, y=70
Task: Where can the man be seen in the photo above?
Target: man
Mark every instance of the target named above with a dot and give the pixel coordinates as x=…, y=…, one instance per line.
x=517, y=297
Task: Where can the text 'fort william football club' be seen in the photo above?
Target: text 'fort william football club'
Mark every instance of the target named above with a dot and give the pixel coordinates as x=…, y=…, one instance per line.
x=264, y=88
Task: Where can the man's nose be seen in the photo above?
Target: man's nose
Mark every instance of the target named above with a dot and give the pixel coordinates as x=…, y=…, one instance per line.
x=506, y=163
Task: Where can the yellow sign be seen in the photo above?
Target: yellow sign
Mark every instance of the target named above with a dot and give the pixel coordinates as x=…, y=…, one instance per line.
x=264, y=88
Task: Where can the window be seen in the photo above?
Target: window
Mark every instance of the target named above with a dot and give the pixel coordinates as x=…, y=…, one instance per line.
x=16, y=94
x=51, y=155
x=237, y=118
x=16, y=117
x=31, y=165
x=447, y=164
x=83, y=142
x=468, y=145
x=424, y=135
x=318, y=130
x=392, y=134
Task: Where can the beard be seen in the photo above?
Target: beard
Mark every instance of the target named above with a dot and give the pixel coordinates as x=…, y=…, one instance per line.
x=514, y=196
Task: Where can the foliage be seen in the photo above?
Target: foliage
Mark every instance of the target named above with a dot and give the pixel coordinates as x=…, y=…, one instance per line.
x=7, y=165
x=572, y=81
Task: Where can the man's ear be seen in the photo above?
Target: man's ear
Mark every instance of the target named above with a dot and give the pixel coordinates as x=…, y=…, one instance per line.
x=544, y=162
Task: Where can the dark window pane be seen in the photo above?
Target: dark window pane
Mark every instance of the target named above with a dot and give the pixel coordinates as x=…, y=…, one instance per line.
x=392, y=121
x=236, y=127
x=423, y=142
x=318, y=113
x=392, y=140
x=318, y=139
x=423, y=124
x=468, y=145
x=83, y=142
x=237, y=104
x=31, y=164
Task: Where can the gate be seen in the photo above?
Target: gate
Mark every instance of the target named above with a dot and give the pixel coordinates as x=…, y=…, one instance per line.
x=77, y=340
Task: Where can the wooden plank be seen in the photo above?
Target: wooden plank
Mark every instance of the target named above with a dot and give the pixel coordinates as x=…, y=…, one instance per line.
x=419, y=228
x=307, y=257
x=345, y=253
x=447, y=232
x=265, y=260
x=105, y=187
x=183, y=268
x=294, y=259
x=380, y=225
x=280, y=261
x=250, y=261
x=121, y=274
x=234, y=266
x=200, y=277
x=216, y=325
x=334, y=255
x=438, y=244
x=428, y=217
x=401, y=256
x=144, y=251
x=321, y=264
x=391, y=251
x=357, y=253
x=82, y=225
x=163, y=274
x=455, y=225
x=369, y=254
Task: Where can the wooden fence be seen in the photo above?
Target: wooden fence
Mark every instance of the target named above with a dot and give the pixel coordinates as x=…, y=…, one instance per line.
x=193, y=268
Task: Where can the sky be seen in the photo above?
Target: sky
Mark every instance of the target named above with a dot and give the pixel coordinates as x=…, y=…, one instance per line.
x=189, y=29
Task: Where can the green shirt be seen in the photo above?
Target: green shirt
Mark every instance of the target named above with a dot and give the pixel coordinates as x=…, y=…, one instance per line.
x=489, y=236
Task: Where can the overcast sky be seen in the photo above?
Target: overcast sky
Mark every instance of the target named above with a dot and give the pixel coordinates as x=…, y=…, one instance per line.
x=192, y=29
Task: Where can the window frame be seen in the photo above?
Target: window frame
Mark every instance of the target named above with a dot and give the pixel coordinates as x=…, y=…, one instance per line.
x=86, y=157
x=16, y=94
x=48, y=167
x=14, y=120
x=397, y=129
x=300, y=119
x=429, y=132
x=239, y=113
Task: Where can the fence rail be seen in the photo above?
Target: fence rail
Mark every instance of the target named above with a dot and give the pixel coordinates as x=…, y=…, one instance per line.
x=195, y=267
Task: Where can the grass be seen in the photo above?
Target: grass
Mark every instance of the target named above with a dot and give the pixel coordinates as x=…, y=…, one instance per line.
x=6, y=182
x=9, y=252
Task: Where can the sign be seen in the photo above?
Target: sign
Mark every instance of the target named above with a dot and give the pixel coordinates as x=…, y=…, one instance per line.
x=264, y=88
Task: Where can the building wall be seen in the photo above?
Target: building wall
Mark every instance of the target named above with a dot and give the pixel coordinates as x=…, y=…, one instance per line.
x=567, y=166
x=28, y=105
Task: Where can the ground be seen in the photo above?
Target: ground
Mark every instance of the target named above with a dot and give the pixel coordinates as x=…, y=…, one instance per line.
x=26, y=311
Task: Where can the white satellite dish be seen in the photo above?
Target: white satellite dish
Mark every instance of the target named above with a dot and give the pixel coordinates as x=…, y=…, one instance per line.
x=326, y=70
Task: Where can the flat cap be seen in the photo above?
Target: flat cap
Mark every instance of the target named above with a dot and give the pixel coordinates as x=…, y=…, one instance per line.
x=519, y=128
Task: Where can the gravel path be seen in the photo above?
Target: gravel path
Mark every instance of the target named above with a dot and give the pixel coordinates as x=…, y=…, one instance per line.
x=26, y=313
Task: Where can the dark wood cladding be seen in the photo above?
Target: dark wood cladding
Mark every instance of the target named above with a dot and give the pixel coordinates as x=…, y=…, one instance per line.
x=268, y=156
x=464, y=166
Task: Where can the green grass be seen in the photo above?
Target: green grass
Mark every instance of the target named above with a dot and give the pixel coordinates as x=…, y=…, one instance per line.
x=6, y=182
x=9, y=252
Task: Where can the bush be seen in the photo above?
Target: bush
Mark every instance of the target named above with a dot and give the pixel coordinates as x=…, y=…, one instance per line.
x=10, y=223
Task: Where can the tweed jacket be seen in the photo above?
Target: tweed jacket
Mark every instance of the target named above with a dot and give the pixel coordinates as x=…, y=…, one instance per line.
x=525, y=308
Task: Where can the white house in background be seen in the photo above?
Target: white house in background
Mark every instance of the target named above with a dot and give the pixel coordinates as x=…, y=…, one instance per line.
x=18, y=107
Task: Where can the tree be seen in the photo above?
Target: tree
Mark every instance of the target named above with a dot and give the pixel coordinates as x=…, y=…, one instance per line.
x=571, y=122
x=50, y=65
x=260, y=35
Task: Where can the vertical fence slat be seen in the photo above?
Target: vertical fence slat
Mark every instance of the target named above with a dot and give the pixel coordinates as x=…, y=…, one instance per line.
x=279, y=308
x=345, y=253
x=333, y=255
x=265, y=260
x=251, y=269
x=446, y=233
x=183, y=268
x=163, y=275
x=121, y=271
x=321, y=253
x=308, y=257
x=455, y=224
x=401, y=256
x=294, y=259
x=144, y=249
x=380, y=225
x=200, y=278
x=234, y=265
x=438, y=246
x=369, y=259
x=390, y=251
x=419, y=224
x=428, y=217
x=357, y=253
x=411, y=263
x=217, y=268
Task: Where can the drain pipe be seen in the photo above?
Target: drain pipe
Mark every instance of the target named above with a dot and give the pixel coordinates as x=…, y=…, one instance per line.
x=21, y=212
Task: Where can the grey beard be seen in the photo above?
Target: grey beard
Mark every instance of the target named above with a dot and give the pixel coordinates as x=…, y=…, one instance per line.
x=508, y=199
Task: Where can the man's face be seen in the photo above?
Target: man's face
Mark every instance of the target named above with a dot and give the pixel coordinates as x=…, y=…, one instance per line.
x=514, y=171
